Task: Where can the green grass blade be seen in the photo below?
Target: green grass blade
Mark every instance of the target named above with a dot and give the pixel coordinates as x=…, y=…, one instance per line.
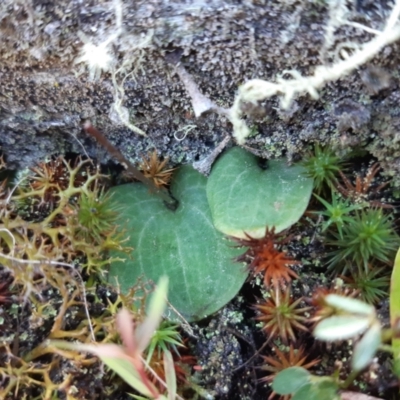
x=395, y=310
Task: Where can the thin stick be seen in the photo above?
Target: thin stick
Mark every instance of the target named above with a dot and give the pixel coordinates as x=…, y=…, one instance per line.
x=185, y=324
x=257, y=353
x=83, y=148
x=132, y=170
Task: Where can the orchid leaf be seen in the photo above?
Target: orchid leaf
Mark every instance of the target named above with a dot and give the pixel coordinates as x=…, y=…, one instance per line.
x=181, y=244
x=290, y=380
x=245, y=198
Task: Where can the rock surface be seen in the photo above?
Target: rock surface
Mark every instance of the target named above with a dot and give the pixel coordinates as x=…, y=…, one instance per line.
x=47, y=93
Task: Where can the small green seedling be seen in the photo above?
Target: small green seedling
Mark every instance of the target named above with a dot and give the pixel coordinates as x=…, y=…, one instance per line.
x=127, y=360
x=166, y=336
x=369, y=235
x=351, y=319
x=323, y=166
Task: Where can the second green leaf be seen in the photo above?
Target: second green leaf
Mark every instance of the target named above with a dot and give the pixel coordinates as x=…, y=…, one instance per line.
x=245, y=197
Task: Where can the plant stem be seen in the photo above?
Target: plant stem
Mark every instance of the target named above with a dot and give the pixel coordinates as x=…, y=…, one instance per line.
x=132, y=170
x=349, y=380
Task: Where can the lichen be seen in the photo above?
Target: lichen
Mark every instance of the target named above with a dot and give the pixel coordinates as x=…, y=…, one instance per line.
x=222, y=46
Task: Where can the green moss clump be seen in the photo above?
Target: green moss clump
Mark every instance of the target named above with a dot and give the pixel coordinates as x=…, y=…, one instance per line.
x=366, y=237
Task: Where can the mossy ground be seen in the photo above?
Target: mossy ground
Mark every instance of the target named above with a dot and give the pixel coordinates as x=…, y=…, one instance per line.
x=225, y=345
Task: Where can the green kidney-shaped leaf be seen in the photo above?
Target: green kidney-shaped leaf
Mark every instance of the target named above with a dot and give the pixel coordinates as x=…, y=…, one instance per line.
x=290, y=380
x=246, y=198
x=182, y=244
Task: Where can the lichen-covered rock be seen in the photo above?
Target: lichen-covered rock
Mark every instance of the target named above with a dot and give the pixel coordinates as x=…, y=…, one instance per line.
x=46, y=95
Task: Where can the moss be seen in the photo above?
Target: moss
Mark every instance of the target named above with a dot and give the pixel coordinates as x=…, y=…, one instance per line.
x=42, y=234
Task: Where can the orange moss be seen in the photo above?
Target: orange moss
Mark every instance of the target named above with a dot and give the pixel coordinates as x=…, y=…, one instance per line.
x=266, y=258
x=155, y=169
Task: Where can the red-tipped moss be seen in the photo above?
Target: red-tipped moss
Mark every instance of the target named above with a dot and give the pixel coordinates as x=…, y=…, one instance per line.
x=281, y=360
x=363, y=191
x=280, y=315
x=266, y=258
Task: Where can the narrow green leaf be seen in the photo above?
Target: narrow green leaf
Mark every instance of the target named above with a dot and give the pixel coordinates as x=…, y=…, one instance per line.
x=114, y=357
x=134, y=396
x=170, y=376
x=395, y=311
x=289, y=380
x=341, y=327
x=126, y=371
x=158, y=301
x=366, y=348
